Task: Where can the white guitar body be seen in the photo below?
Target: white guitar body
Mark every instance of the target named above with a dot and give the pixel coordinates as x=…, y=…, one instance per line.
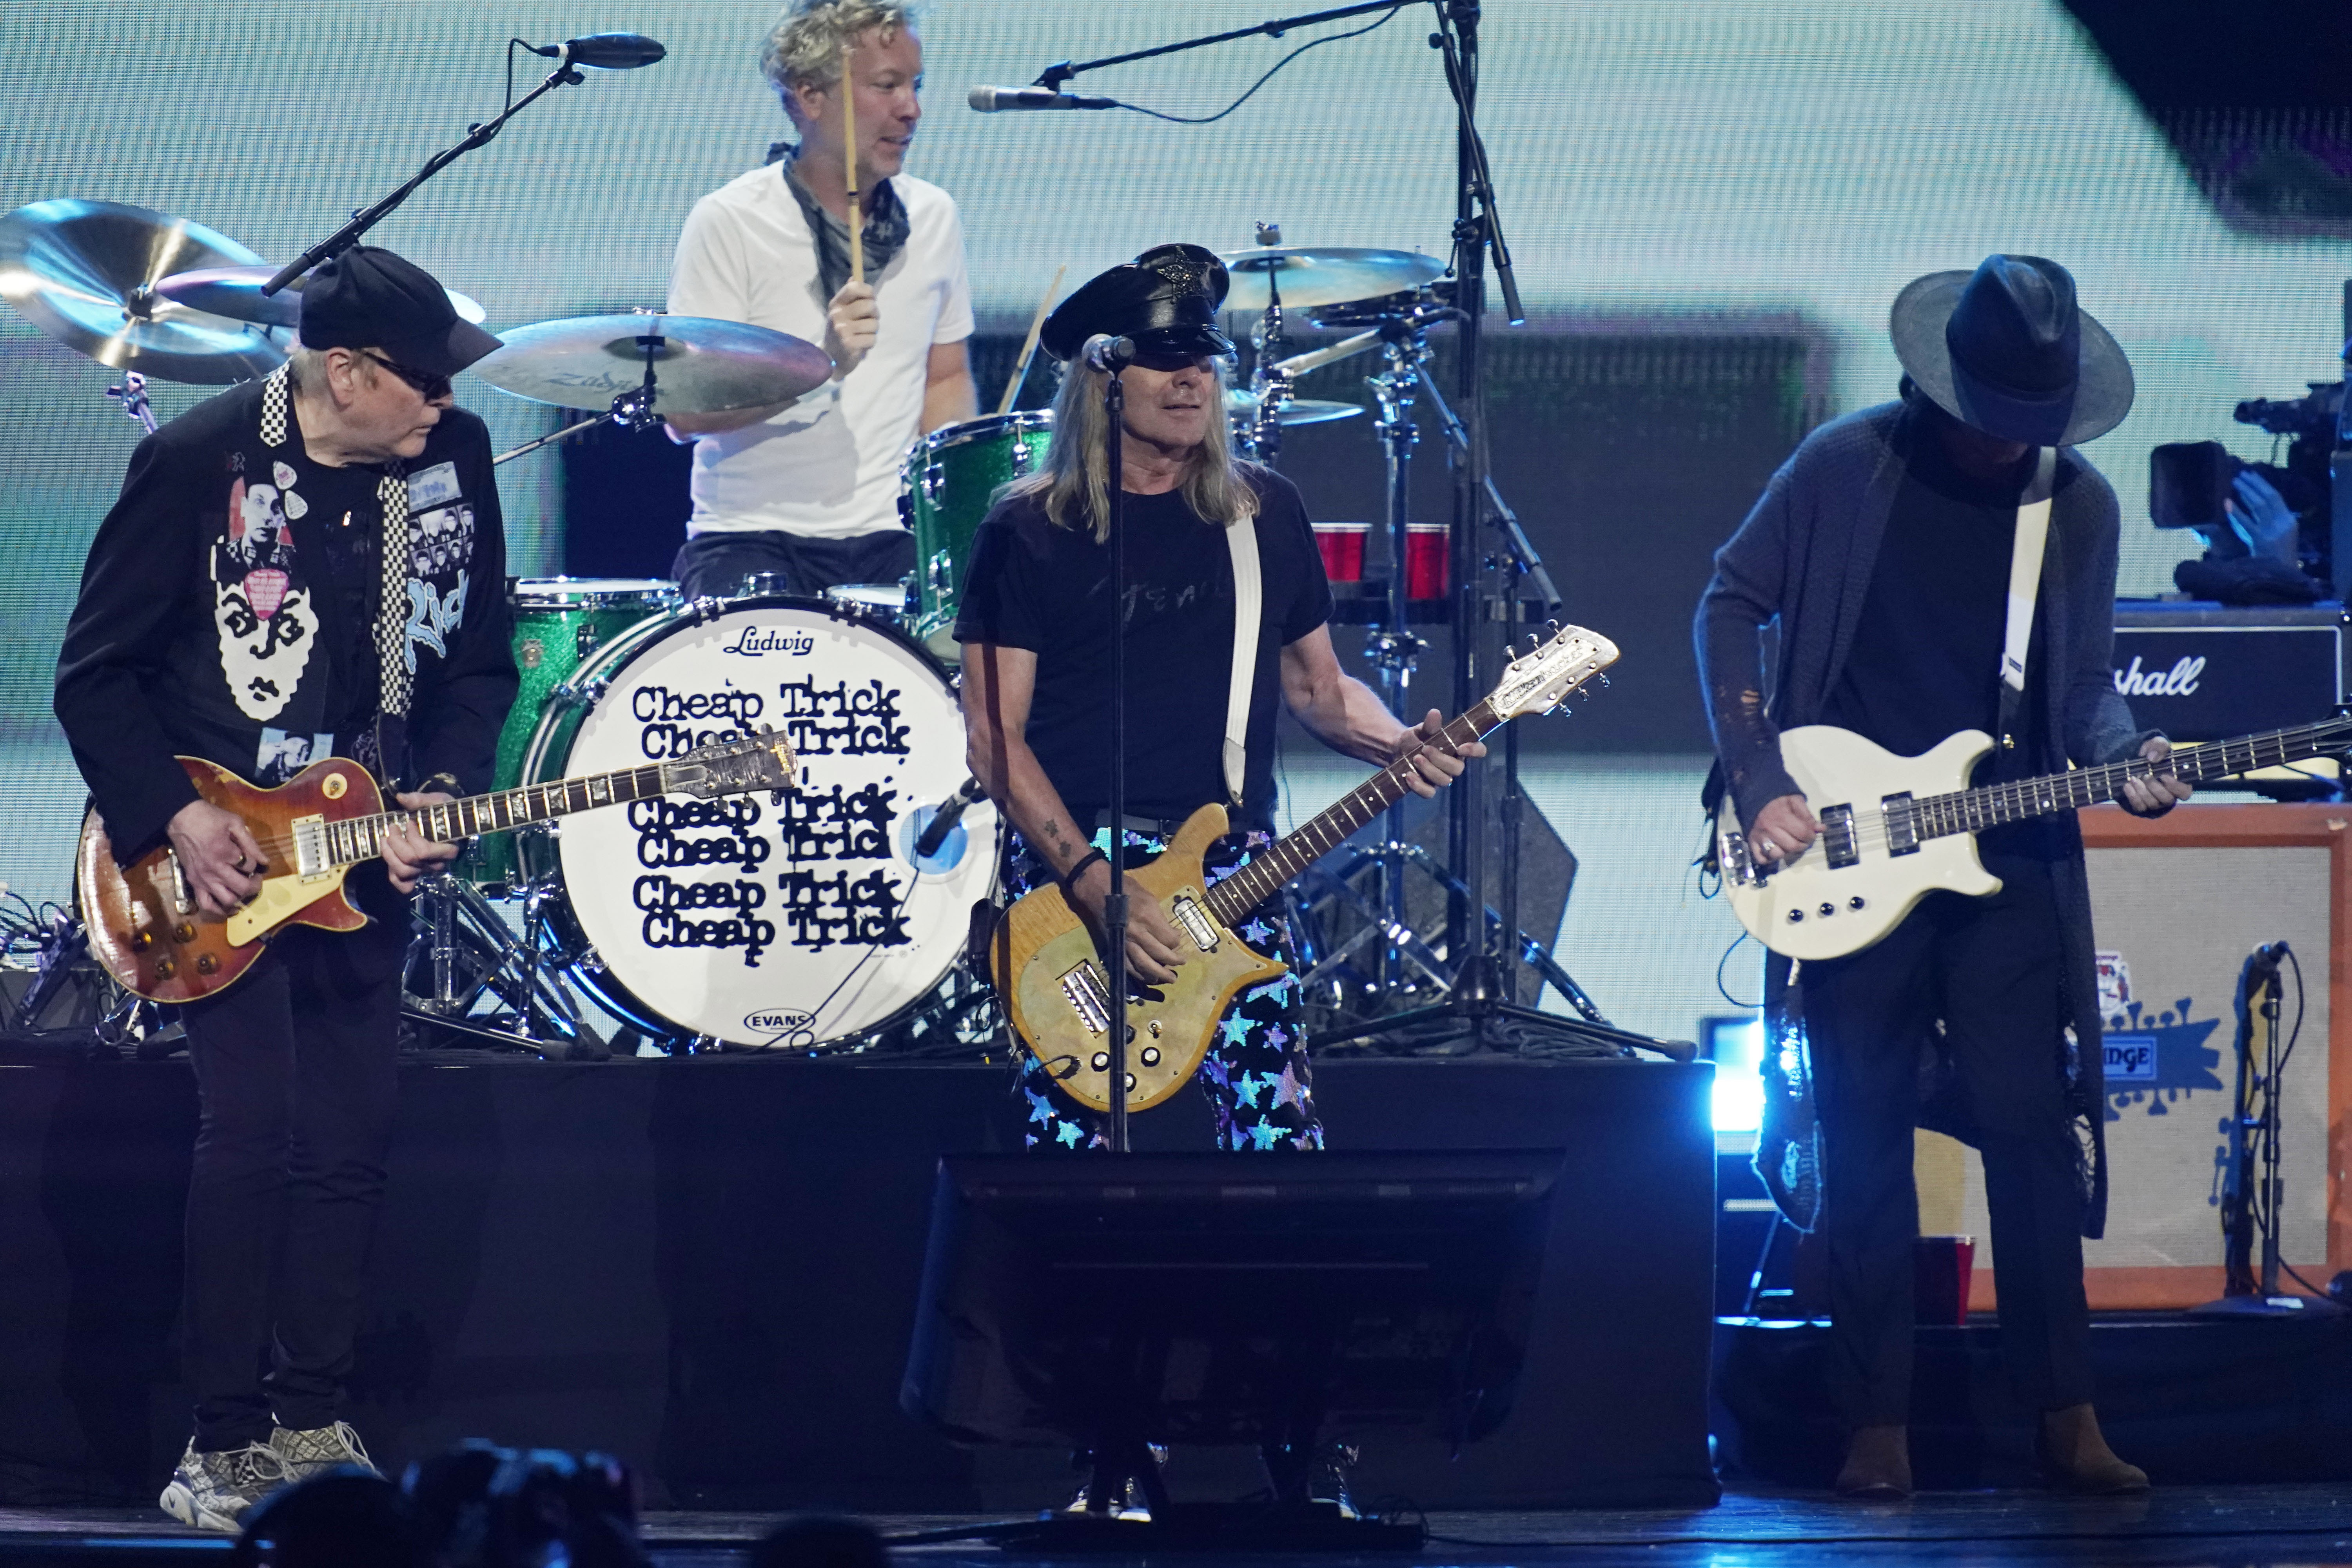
x=1850, y=889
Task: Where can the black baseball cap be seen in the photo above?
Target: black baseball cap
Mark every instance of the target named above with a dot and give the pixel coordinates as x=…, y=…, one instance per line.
x=368, y=297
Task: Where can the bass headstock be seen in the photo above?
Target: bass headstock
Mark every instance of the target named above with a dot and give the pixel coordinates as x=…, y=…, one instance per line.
x=1537, y=681
x=764, y=761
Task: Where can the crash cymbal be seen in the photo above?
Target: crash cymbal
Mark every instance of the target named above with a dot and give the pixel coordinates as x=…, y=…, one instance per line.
x=235, y=292
x=85, y=273
x=1242, y=404
x=1323, y=275
x=700, y=365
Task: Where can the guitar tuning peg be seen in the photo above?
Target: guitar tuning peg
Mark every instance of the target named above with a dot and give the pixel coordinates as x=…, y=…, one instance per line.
x=1605, y=680
x=1552, y=628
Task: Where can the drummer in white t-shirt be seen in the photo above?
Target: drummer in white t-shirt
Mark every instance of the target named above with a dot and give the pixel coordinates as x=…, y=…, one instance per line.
x=810, y=488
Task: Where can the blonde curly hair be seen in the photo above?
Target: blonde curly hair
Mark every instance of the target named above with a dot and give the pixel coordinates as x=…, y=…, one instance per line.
x=803, y=48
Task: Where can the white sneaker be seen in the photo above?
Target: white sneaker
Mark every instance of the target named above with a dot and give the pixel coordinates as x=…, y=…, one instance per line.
x=307, y=1453
x=213, y=1491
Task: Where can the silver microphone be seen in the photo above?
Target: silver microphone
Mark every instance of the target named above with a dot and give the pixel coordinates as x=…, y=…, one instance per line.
x=1107, y=354
x=997, y=100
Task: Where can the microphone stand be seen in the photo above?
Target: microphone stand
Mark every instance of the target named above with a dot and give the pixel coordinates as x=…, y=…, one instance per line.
x=343, y=239
x=1061, y=71
x=1114, y=906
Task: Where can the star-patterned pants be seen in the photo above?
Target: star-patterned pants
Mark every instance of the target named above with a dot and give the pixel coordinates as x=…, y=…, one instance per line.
x=1255, y=1075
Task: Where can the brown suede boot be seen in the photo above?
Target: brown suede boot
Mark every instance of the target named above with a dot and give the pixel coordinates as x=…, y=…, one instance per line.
x=1877, y=1465
x=2076, y=1456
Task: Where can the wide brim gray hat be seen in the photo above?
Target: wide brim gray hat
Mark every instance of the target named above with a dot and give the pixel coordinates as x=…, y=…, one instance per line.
x=2005, y=349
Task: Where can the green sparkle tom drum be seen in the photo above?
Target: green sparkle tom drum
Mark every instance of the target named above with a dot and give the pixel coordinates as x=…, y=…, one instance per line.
x=559, y=624
x=946, y=486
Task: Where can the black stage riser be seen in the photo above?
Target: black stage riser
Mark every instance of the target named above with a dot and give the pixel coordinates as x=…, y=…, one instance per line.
x=709, y=1267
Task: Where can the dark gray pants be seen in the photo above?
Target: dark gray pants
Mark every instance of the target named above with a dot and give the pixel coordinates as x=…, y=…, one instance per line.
x=1990, y=969
x=713, y=565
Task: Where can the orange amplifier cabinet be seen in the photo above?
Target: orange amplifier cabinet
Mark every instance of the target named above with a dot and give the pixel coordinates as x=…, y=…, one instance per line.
x=2177, y=902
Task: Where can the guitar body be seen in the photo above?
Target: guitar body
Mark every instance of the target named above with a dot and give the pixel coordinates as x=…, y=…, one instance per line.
x=148, y=934
x=1042, y=957
x=1812, y=907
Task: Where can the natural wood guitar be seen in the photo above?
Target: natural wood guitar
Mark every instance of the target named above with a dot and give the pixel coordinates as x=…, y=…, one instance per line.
x=1051, y=978
x=142, y=918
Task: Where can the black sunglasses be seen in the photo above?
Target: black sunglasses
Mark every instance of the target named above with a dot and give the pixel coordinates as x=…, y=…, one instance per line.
x=430, y=386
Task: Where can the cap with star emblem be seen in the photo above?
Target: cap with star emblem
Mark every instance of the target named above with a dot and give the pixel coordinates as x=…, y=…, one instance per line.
x=1166, y=300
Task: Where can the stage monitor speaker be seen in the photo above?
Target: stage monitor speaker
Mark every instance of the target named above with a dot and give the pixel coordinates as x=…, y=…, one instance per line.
x=2176, y=903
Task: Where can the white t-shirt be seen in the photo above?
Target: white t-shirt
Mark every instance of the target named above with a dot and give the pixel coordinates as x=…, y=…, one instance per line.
x=828, y=466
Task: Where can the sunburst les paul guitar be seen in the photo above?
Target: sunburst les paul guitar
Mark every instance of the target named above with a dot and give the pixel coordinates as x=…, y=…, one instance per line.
x=142, y=918
x=1894, y=829
x=1047, y=970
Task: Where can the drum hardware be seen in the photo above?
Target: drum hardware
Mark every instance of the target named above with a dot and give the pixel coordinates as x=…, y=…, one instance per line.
x=464, y=955
x=133, y=395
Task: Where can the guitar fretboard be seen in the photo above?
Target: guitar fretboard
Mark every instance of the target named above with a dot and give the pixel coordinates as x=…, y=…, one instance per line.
x=1238, y=894
x=1973, y=810
x=360, y=839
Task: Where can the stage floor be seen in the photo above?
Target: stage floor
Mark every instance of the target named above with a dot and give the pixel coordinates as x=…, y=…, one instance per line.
x=2174, y=1527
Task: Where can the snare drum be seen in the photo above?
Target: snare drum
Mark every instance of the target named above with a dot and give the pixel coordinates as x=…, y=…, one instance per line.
x=946, y=486
x=559, y=623
x=796, y=921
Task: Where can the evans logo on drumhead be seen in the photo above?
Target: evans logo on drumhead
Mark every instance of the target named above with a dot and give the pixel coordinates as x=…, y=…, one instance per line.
x=779, y=1022
x=753, y=641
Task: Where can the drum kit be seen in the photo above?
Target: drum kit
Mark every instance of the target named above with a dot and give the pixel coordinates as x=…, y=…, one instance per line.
x=811, y=922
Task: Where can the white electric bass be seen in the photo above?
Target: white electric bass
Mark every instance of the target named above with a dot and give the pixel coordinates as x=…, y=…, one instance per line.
x=1894, y=829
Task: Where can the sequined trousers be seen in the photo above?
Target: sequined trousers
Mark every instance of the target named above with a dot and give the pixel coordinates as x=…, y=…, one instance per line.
x=1255, y=1075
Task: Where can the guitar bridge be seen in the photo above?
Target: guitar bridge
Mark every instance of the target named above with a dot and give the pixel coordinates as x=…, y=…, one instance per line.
x=1089, y=996
x=1194, y=923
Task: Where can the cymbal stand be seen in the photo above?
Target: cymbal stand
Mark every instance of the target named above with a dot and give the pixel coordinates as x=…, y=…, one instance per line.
x=1269, y=383
x=470, y=956
x=1393, y=649
x=133, y=395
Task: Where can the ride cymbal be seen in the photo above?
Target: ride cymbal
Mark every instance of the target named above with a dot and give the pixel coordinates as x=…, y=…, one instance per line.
x=700, y=365
x=1240, y=403
x=1321, y=275
x=85, y=273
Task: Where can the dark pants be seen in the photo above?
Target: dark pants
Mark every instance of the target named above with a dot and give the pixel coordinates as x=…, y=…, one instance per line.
x=1990, y=969
x=713, y=565
x=295, y=1081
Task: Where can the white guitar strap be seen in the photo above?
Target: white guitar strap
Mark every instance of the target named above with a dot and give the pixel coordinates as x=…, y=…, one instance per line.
x=1241, y=538
x=2024, y=587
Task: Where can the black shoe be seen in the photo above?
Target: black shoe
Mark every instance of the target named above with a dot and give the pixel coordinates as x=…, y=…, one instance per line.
x=1327, y=1478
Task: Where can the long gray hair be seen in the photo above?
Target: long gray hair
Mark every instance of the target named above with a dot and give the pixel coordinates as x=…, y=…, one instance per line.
x=1074, y=482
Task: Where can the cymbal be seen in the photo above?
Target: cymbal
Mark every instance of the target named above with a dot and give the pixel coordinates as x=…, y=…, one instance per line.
x=700, y=365
x=1323, y=275
x=85, y=272
x=1242, y=404
x=235, y=292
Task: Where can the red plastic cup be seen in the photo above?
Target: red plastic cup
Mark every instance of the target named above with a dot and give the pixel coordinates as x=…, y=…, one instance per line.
x=1941, y=1266
x=1342, y=545
x=1425, y=548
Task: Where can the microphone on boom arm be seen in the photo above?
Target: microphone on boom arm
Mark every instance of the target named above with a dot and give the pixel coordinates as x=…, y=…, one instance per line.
x=935, y=832
x=604, y=51
x=997, y=100
x=1107, y=354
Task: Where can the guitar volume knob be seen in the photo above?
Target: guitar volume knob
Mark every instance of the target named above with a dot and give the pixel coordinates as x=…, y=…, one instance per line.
x=1827, y=910
x=1796, y=917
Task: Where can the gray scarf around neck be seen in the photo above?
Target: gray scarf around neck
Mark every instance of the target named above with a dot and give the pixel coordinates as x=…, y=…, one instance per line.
x=886, y=227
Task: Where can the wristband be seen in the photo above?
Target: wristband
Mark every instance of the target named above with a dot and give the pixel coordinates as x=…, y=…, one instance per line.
x=1078, y=867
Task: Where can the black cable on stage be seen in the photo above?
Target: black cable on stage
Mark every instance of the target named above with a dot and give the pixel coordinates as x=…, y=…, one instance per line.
x=1390, y=15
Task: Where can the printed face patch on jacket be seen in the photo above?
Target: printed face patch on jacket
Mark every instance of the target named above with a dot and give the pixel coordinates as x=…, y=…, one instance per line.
x=265, y=621
x=444, y=541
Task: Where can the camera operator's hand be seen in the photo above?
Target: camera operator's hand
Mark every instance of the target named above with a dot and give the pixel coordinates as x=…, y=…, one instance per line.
x=2261, y=517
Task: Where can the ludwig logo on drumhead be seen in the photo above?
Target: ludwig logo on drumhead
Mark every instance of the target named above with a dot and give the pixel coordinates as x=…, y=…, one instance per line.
x=753, y=641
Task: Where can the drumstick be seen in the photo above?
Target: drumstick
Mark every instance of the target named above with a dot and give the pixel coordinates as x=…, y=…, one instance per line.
x=1029, y=348
x=849, y=171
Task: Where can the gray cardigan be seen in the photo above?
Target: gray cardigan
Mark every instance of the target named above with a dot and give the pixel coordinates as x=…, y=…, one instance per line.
x=1802, y=561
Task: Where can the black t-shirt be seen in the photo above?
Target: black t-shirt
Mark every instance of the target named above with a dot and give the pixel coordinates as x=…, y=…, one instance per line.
x=1925, y=659
x=1034, y=586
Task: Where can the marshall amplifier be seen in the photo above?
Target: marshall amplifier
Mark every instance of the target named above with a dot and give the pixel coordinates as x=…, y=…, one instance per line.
x=2202, y=671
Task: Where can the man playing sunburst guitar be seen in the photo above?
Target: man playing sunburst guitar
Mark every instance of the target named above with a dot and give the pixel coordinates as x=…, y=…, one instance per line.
x=309, y=565
x=1890, y=549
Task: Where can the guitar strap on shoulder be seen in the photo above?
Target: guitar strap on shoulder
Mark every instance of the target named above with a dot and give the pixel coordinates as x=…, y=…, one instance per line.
x=1241, y=538
x=2024, y=589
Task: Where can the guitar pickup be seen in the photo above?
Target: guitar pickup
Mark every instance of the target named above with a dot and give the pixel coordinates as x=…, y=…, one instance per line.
x=1740, y=868
x=1089, y=996
x=311, y=861
x=1837, y=836
x=1902, y=824
x=1194, y=923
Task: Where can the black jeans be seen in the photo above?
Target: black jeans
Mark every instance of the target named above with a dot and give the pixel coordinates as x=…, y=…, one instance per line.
x=294, y=1082
x=1990, y=969
x=712, y=565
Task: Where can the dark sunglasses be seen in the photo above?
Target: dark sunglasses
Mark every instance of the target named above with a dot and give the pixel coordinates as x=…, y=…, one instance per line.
x=429, y=384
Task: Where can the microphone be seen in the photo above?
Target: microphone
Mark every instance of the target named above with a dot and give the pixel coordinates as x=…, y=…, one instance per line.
x=604, y=51
x=1107, y=354
x=935, y=832
x=997, y=100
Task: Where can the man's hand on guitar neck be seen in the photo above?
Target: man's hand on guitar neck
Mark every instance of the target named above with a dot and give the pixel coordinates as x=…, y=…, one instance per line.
x=218, y=858
x=2160, y=791
x=409, y=857
x=1782, y=829
x=1152, y=954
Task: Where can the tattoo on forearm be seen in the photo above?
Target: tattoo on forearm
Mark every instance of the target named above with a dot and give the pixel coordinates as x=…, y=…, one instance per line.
x=1053, y=831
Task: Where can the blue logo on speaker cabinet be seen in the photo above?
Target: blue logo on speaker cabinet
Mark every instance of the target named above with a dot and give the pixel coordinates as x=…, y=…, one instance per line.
x=2155, y=1059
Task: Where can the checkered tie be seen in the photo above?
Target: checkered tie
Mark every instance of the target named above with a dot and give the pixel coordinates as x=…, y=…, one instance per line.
x=392, y=612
